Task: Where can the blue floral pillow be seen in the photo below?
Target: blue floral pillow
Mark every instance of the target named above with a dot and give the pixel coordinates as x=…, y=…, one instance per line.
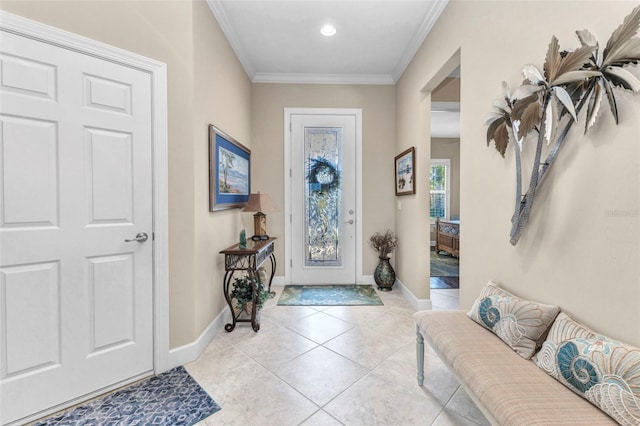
x=599, y=369
x=519, y=323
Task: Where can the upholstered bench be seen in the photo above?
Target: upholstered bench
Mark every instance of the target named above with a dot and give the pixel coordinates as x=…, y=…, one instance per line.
x=508, y=389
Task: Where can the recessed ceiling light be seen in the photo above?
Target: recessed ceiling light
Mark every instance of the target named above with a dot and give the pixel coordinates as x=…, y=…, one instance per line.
x=328, y=30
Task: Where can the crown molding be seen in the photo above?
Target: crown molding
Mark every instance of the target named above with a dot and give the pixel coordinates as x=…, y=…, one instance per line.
x=300, y=78
x=218, y=12
x=413, y=46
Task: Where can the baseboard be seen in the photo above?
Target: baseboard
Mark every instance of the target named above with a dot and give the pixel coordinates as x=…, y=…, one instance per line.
x=278, y=280
x=190, y=352
x=417, y=304
x=367, y=279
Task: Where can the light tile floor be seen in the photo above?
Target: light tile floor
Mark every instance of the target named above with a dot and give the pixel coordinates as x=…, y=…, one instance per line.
x=446, y=299
x=340, y=365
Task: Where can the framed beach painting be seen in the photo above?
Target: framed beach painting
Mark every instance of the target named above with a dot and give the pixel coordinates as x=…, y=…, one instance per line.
x=229, y=171
x=405, y=172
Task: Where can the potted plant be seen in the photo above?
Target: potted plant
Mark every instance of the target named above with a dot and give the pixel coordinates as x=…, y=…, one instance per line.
x=384, y=244
x=242, y=293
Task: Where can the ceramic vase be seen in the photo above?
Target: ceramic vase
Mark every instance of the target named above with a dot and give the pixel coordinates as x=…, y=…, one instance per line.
x=384, y=275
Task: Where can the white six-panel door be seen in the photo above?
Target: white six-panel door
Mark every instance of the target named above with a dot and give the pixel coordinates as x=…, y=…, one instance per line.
x=76, y=300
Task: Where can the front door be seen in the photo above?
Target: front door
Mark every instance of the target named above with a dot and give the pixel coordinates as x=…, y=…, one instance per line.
x=76, y=300
x=323, y=198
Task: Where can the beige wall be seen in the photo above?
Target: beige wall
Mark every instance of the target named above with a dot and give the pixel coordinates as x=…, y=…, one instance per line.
x=378, y=150
x=222, y=98
x=581, y=247
x=206, y=84
x=447, y=91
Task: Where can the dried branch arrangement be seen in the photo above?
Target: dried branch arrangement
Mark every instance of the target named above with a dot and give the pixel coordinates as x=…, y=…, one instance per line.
x=548, y=103
x=383, y=244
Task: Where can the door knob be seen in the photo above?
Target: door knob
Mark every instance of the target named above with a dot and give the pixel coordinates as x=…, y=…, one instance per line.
x=350, y=222
x=140, y=238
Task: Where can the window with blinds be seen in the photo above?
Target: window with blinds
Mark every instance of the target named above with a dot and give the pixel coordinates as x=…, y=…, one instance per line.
x=439, y=186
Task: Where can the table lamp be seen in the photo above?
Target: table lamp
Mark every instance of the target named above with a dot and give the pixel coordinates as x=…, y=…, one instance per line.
x=259, y=203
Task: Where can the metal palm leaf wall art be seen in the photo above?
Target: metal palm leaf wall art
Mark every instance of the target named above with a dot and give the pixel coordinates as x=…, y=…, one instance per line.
x=548, y=103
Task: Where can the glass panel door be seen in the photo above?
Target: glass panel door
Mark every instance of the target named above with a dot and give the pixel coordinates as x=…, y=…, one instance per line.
x=323, y=199
x=323, y=195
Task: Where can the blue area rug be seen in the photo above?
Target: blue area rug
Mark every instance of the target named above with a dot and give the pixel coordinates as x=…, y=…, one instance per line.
x=171, y=398
x=444, y=265
x=329, y=295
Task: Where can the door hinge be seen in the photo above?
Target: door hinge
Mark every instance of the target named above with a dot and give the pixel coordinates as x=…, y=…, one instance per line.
x=290, y=217
x=290, y=172
x=290, y=126
x=153, y=236
x=291, y=263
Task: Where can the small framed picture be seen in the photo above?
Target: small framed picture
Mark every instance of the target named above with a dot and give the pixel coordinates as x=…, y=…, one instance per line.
x=405, y=172
x=229, y=171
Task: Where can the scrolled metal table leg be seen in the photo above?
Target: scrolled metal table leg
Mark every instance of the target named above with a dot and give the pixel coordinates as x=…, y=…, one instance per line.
x=226, y=283
x=272, y=258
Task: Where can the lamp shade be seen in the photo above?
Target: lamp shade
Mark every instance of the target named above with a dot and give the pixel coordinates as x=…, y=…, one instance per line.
x=259, y=203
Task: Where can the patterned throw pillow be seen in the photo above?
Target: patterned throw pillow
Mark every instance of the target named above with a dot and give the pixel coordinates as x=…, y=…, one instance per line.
x=519, y=323
x=601, y=370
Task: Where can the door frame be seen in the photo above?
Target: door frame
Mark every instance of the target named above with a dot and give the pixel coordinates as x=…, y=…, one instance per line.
x=288, y=112
x=158, y=74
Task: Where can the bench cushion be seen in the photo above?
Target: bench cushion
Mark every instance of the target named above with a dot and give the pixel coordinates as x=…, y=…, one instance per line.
x=514, y=391
x=600, y=369
x=518, y=322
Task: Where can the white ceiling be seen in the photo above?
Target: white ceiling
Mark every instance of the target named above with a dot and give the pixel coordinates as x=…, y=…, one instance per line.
x=280, y=40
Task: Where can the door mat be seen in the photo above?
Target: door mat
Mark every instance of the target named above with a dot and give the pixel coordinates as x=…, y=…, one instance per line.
x=329, y=295
x=171, y=398
x=444, y=265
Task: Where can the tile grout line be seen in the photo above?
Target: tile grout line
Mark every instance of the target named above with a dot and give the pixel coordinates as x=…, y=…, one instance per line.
x=287, y=323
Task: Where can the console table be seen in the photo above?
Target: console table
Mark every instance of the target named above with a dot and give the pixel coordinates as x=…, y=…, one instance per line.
x=247, y=259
